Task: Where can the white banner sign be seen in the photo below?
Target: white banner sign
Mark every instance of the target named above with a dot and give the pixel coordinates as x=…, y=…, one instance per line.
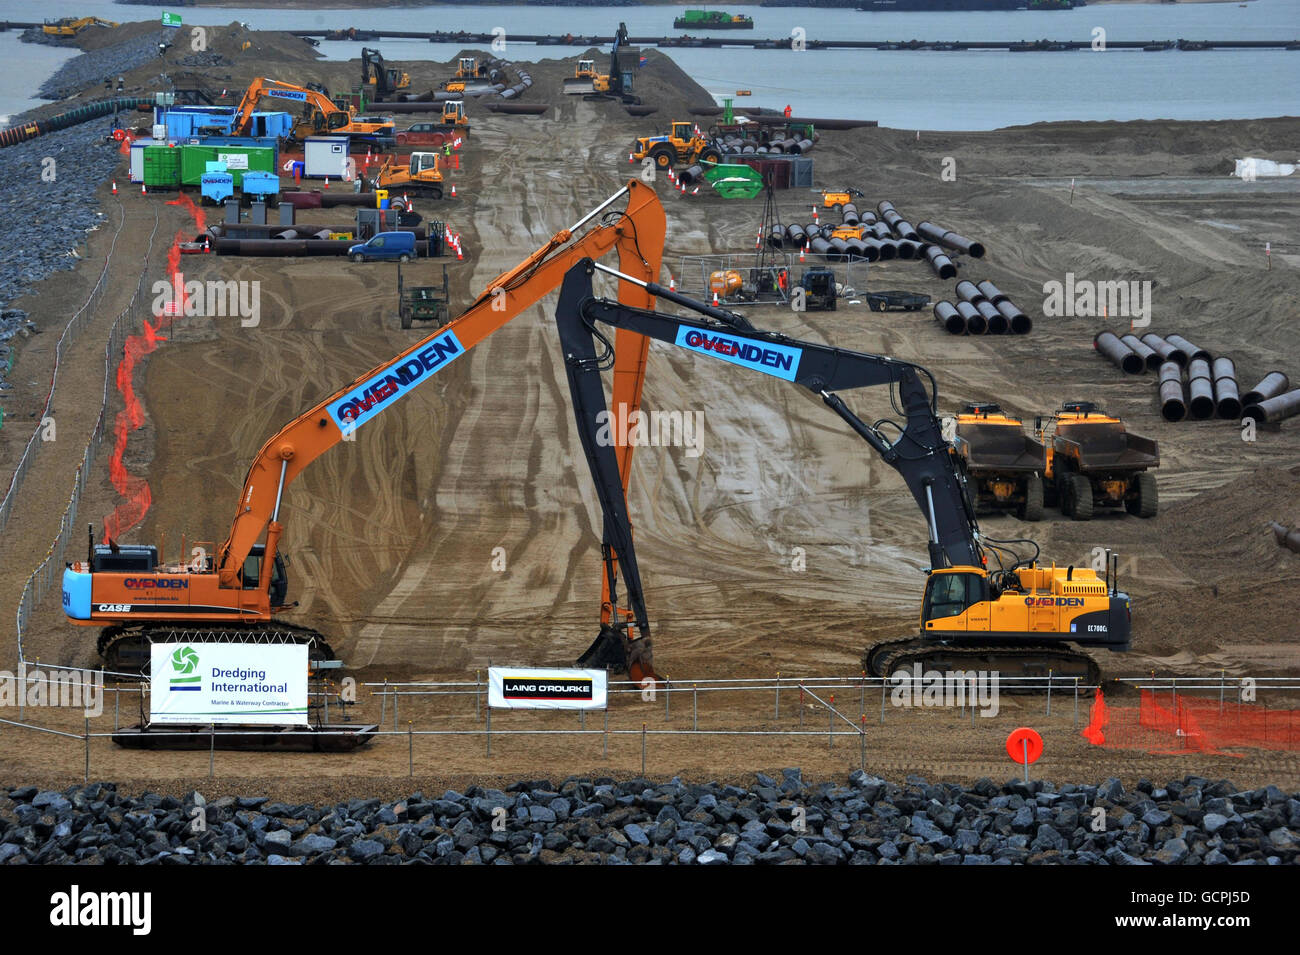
x=233, y=160
x=523, y=688
x=228, y=683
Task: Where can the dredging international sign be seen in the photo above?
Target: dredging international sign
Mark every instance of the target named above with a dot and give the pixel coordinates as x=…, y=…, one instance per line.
x=516, y=688
x=228, y=683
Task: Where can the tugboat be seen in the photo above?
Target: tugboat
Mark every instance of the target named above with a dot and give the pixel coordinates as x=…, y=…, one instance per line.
x=712, y=20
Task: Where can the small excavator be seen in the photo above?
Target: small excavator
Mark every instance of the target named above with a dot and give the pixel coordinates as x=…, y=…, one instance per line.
x=590, y=84
x=1018, y=618
x=239, y=593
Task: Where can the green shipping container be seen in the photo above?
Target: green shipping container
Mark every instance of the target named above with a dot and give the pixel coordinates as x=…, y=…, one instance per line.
x=238, y=160
x=162, y=167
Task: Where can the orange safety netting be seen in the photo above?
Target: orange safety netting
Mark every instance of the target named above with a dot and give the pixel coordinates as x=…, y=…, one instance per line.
x=137, y=497
x=1177, y=723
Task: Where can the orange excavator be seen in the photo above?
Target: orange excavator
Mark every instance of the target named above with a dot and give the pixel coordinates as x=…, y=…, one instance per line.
x=237, y=595
x=320, y=114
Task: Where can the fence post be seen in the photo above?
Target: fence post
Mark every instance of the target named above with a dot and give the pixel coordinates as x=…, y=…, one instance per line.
x=882, y=701
x=863, y=732
x=489, y=731
x=695, y=707
x=668, y=701
x=830, y=724
x=605, y=740
x=776, y=712
x=410, y=750
x=801, y=704
x=212, y=748
x=1049, y=691
x=476, y=695
x=1221, y=689
x=643, y=749
x=87, y=777
x=394, y=710
x=1076, y=702
x=383, y=703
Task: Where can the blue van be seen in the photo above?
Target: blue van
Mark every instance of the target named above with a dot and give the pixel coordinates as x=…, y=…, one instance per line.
x=385, y=245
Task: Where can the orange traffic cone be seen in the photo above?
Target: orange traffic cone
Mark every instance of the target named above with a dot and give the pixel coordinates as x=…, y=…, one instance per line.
x=453, y=190
x=672, y=284
x=802, y=250
x=143, y=190
x=114, y=187
x=814, y=208
x=715, y=296
x=695, y=191
x=629, y=158
x=327, y=182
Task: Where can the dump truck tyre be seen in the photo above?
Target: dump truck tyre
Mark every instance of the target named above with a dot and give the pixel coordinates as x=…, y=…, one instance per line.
x=1032, y=509
x=1147, y=501
x=1080, y=498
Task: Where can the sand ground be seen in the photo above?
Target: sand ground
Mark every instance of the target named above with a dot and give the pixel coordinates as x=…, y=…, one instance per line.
x=392, y=536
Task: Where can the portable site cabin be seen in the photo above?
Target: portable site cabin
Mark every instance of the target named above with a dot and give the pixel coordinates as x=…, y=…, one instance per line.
x=325, y=156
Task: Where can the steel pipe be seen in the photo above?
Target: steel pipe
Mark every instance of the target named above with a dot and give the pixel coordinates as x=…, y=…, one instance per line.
x=945, y=313
x=907, y=249
x=1173, y=407
x=941, y=264
x=1274, y=384
x=991, y=292
x=1192, y=351
x=969, y=292
x=888, y=249
x=1142, y=350
x=1226, y=400
x=998, y=324
x=1200, y=389
x=872, y=249
x=1275, y=409
x=849, y=214
x=1119, y=354
x=795, y=235
x=933, y=233
x=1288, y=537
x=1166, y=351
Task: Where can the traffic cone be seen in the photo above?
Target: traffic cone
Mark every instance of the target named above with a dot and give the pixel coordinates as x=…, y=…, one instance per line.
x=815, y=216
x=695, y=191
x=114, y=187
x=629, y=158
x=327, y=182
x=715, y=296
x=143, y=190
x=672, y=284
x=802, y=250
x=453, y=190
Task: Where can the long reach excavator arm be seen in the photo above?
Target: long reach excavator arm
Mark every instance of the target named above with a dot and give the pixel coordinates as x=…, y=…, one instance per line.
x=123, y=589
x=987, y=613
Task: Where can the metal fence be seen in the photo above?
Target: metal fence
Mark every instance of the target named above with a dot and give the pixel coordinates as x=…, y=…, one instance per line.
x=70, y=332
x=129, y=321
x=809, y=704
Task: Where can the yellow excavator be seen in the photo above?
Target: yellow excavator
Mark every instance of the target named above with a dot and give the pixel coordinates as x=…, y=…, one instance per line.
x=1019, y=618
x=72, y=26
x=420, y=176
x=320, y=114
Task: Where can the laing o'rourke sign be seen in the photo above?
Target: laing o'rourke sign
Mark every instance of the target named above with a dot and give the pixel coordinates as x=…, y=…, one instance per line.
x=516, y=688
x=228, y=683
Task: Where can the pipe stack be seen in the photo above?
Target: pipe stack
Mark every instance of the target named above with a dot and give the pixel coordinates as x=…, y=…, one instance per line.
x=1274, y=384
x=945, y=313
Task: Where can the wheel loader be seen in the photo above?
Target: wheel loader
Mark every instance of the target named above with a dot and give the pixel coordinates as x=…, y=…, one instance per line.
x=1003, y=466
x=684, y=146
x=1093, y=461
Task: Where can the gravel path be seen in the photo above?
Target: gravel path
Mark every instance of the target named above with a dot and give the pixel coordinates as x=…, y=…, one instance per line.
x=867, y=821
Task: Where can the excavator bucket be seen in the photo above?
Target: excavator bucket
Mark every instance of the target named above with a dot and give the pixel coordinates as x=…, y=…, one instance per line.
x=575, y=86
x=614, y=651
